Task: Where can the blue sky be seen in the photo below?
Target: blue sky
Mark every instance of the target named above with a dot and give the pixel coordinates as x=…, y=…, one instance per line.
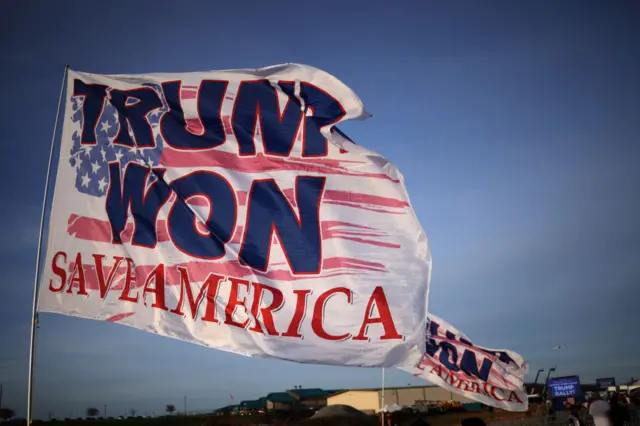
x=516, y=127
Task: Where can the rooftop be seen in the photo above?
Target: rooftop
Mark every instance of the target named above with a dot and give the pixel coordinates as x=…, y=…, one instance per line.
x=308, y=393
x=255, y=404
x=283, y=397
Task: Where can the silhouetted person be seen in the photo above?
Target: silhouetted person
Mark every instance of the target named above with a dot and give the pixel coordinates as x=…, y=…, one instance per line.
x=634, y=408
x=618, y=413
x=574, y=416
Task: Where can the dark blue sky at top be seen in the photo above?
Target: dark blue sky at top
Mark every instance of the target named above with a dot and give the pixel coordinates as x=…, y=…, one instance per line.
x=515, y=123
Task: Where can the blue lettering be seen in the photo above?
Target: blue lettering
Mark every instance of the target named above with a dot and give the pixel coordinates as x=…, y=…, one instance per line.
x=173, y=124
x=182, y=220
x=133, y=115
x=469, y=364
x=326, y=110
x=269, y=211
x=502, y=356
x=144, y=202
x=297, y=225
x=449, y=356
x=258, y=100
x=466, y=342
x=432, y=347
x=94, y=96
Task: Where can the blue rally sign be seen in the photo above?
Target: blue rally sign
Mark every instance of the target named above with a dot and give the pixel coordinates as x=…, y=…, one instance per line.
x=564, y=387
x=606, y=383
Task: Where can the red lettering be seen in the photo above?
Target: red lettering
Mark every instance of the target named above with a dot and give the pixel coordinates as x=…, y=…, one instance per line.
x=494, y=394
x=298, y=315
x=437, y=369
x=378, y=300
x=129, y=278
x=157, y=277
x=210, y=286
x=458, y=381
x=452, y=379
x=105, y=285
x=277, y=302
x=59, y=272
x=514, y=395
x=318, y=314
x=78, y=268
x=475, y=387
x=235, y=301
x=485, y=389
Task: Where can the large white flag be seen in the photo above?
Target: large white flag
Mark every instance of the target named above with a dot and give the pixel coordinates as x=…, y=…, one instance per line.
x=492, y=376
x=224, y=208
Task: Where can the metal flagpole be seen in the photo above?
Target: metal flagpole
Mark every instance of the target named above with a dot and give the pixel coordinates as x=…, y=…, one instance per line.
x=382, y=400
x=34, y=309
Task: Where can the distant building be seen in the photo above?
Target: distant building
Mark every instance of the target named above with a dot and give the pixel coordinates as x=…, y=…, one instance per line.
x=253, y=406
x=310, y=398
x=369, y=400
x=280, y=401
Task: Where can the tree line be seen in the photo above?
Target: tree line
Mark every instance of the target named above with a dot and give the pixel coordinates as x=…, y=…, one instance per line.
x=8, y=413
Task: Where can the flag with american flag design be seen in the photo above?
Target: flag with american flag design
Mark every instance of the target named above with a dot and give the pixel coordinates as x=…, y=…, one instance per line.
x=226, y=209
x=494, y=377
